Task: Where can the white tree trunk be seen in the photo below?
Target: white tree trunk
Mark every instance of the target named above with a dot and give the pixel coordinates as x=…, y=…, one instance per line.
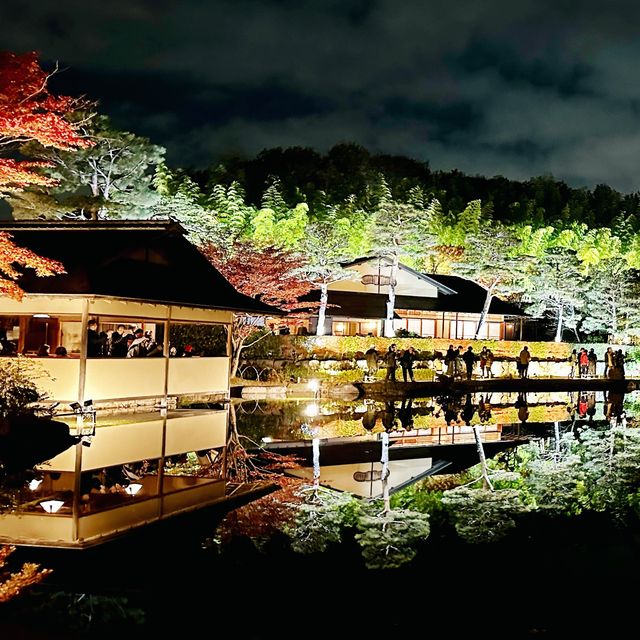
x=483, y=460
x=385, y=472
x=485, y=311
x=322, y=310
x=558, y=337
x=389, y=331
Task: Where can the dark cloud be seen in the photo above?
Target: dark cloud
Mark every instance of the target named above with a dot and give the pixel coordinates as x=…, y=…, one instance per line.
x=517, y=89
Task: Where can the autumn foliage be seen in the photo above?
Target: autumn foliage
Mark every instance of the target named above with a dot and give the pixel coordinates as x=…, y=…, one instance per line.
x=11, y=584
x=12, y=257
x=29, y=112
x=267, y=273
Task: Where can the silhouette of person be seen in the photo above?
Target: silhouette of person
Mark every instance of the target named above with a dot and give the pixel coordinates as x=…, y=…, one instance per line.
x=468, y=411
x=405, y=414
x=389, y=421
x=522, y=406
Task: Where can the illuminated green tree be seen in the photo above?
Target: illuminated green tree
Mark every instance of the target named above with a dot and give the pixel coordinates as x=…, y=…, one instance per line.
x=556, y=288
x=111, y=179
x=492, y=257
x=324, y=247
x=394, y=231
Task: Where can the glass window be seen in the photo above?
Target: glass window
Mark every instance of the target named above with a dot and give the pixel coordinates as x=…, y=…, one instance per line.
x=124, y=338
x=207, y=340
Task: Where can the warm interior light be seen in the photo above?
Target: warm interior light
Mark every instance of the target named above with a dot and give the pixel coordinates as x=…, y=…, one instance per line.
x=339, y=327
x=52, y=506
x=133, y=488
x=34, y=484
x=41, y=315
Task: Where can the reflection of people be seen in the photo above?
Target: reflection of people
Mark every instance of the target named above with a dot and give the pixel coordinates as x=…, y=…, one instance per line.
x=484, y=408
x=522, y=406
x=61, y=352
x=389, y=416
x=582, y=406
x=468, y=410
x=405, y=414
x=591, y=405
x=369, y=417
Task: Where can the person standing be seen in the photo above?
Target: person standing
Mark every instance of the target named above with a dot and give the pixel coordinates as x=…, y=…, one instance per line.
x=489, y=363
x=469, y=360
x=371, y=357
x=95, y=344
x=573, y=363
x=524, y=359
x=483, y=361
x=406, y=362
x=391, y=363
x=608, y=361
x=593, y=362
x=583, y=361
x=450, y=360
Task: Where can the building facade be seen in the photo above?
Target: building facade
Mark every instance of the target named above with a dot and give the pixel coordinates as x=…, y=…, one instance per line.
x=139, y=321
x=428, y=305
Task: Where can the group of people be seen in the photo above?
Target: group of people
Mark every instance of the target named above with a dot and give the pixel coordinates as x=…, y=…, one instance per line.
x=584, y=363
x=457, y=361
x=391, y=360
x=122, y=342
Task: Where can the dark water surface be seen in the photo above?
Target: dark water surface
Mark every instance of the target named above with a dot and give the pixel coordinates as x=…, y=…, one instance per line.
x=550, y=578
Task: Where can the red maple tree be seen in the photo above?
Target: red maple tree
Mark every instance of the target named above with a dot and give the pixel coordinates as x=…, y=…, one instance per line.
x=265, y=273
x=28, y=111
x=12, y=257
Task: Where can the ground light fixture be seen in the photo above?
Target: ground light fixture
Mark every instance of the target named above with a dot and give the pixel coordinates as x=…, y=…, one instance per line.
x=133, y=488
x=34, y=484
x=52, y=506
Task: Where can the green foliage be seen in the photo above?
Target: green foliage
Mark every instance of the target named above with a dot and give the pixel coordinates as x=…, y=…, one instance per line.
x=480, y=515
x=84, y=612
x=112, y=179
x=18, y=386
x=554, y=486
x=207, y=340
x=321, y=520
x=389, y=539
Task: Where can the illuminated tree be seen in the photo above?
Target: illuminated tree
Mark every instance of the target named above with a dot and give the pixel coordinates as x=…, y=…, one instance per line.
x=394, y=231
x=11, y=584
x=556, y=287
x=111, y=178
x=492, y=257
x=12, y=257
x=324, y=247
x=267, y=274
x=29, y=112
x=610, y=299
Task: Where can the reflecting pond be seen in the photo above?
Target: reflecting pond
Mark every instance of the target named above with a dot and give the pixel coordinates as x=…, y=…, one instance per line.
x=351, y=446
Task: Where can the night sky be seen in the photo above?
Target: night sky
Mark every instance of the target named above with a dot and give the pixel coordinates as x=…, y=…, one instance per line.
x=512, y=88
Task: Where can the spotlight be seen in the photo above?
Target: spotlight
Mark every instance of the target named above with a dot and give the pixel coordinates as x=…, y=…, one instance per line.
x=34, y=484
x=76, y=406
x=88, y=403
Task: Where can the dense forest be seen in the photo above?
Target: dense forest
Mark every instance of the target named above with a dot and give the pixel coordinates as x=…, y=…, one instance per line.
x=350, y=170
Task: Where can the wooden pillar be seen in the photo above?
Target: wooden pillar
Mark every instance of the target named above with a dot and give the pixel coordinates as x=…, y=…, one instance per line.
x=456, y=325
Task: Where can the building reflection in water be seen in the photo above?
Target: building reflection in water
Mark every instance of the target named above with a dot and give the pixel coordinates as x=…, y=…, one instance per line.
x=136, y=469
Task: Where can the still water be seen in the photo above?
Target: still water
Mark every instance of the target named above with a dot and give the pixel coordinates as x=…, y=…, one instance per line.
x=134, y=470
